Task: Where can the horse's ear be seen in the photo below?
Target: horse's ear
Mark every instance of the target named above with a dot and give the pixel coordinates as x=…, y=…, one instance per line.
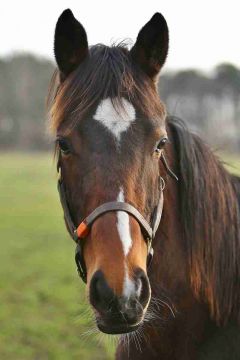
x=151, y=48
x=70, y=43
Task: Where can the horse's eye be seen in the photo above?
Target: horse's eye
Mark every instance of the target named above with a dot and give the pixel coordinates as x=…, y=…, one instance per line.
x=161, y=144
x=64, y=146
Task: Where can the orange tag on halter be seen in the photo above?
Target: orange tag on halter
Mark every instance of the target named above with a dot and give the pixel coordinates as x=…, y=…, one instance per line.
x=82, y=230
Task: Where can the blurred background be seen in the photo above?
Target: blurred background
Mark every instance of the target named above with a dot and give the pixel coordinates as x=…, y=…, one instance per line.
x=43, y=310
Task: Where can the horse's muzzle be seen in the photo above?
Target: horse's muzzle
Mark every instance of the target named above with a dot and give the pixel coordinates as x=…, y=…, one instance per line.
x=119, y=314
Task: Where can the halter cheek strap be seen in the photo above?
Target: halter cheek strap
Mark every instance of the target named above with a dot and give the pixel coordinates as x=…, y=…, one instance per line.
x=80, y=232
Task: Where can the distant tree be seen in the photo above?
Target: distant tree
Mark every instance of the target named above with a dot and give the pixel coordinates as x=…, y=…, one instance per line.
x=23, y=88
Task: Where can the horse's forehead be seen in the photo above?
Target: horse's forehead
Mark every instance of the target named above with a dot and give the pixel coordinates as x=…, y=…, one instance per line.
x=115, y=118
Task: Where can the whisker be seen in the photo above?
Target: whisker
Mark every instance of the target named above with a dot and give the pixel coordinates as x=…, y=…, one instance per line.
x=160, y=302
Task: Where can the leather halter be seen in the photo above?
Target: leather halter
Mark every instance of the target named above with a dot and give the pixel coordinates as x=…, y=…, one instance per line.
x=80, y=232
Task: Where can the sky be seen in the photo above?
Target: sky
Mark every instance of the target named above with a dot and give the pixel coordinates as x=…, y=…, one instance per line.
x=202, y=33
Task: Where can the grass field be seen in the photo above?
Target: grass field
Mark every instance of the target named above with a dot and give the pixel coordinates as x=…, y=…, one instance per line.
x=42, y=301
x=43, y=311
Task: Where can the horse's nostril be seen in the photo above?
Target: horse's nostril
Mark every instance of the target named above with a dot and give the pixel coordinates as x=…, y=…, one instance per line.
x=142, y=287
x=100, y=293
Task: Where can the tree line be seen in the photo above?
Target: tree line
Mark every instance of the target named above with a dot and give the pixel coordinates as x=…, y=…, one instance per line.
x=208, y=103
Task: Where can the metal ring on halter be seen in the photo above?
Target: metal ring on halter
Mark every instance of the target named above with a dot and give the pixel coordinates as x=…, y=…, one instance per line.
x=163, y=184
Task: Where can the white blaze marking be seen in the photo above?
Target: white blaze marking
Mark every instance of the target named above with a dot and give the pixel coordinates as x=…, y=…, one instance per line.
x=123, y=227
x=115, y=121
x=128, y=286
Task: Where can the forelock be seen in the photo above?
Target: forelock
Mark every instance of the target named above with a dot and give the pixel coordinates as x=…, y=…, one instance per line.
x=108, y=72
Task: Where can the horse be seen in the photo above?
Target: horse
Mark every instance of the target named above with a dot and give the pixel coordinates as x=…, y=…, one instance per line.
x=153, y=212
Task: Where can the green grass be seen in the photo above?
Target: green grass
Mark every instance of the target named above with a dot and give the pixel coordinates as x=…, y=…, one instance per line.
x=42, y=301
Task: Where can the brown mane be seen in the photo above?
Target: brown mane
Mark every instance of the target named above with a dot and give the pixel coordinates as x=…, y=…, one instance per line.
x=210, y=216
x=106, y=72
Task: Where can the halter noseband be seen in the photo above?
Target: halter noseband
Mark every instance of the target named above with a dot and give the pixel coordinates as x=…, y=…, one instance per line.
x=82, y=230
